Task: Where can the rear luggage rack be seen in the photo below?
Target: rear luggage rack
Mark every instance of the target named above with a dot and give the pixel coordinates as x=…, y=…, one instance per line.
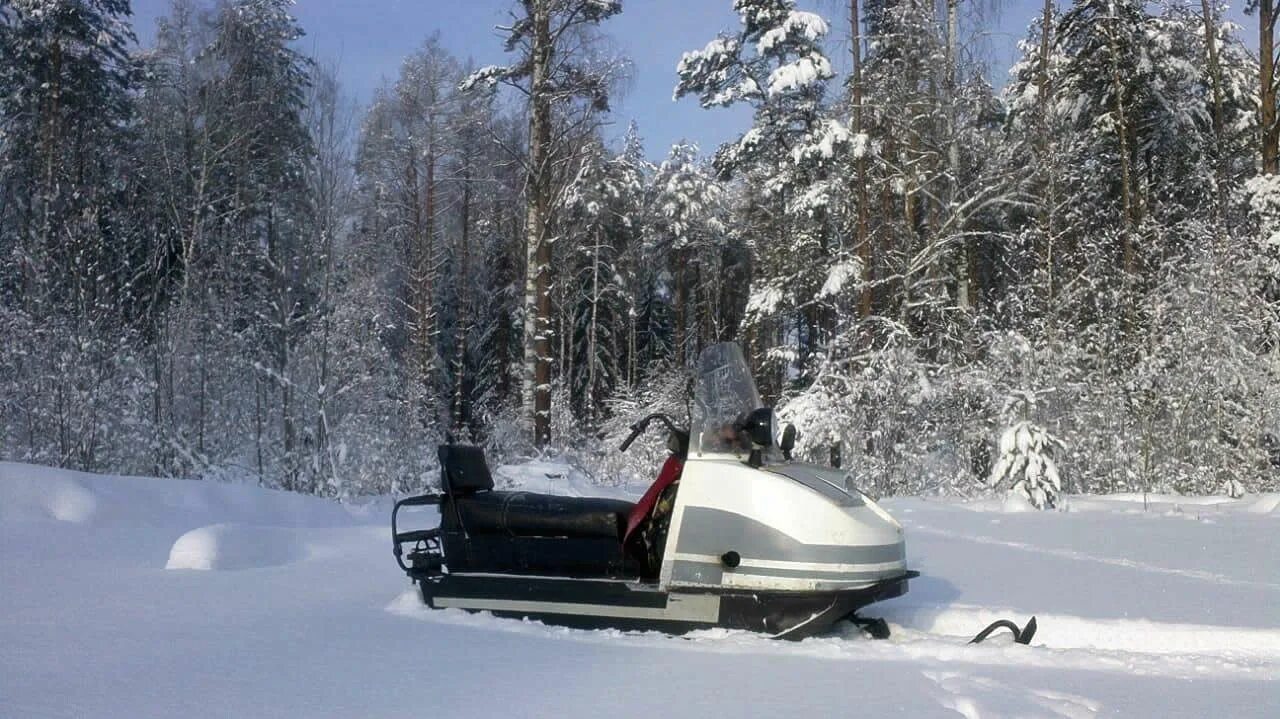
x=426, y=557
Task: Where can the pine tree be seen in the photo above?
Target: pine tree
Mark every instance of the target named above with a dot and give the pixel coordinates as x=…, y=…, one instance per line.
x=260, y=84
x=553, y=78
x=689, y=230
x=65, y=79
x=406, y=144
x=600, y=205
x=69, y=251
x=775, y=64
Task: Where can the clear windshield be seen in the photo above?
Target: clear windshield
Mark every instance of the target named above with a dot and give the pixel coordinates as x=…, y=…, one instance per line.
x=724, y=392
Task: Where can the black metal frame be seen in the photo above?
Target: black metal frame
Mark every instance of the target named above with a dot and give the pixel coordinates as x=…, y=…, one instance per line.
x=426, y=558
x=781, y=614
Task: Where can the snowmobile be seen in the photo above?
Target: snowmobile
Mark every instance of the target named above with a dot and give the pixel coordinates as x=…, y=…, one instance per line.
x=733, y=533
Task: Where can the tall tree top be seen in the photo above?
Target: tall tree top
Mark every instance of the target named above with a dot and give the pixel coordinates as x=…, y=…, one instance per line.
x=775, y=64
x=84, y=43
x=574, y=74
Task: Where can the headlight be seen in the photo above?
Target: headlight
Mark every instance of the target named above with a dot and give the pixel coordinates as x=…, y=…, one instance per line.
x=760, y=427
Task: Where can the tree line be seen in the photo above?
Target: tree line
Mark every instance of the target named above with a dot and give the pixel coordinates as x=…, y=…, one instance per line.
x=213, y=263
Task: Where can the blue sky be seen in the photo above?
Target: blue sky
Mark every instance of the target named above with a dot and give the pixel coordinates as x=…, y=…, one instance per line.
x=370, y=38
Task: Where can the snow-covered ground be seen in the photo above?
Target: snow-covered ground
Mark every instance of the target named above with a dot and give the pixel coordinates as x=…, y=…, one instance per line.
x=130, y=597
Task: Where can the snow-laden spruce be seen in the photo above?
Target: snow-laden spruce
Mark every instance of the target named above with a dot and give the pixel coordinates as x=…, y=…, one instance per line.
x=790, y=156
x=1026, y=463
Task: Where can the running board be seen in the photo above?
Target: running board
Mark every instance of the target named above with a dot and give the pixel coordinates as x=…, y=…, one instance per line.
x=638, y=606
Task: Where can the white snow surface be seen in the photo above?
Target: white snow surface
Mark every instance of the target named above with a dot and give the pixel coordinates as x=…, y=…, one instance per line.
x=1152, y=606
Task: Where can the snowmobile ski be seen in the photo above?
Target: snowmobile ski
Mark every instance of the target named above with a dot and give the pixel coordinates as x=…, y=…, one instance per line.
x=1020, y=636
x=877, y=628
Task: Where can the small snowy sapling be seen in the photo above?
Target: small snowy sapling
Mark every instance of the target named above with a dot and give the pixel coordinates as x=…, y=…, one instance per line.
x=1026, y=455
x=1233, y=488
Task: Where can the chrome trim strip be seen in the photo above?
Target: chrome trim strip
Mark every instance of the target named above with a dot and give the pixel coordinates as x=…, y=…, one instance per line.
x=680, y=607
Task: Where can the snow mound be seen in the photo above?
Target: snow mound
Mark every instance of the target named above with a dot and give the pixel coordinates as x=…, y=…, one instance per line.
x=70, y=502
x=31, y=493
x=1015, y=503
x=1265, y=504
x=31, y=497
x=231, y=546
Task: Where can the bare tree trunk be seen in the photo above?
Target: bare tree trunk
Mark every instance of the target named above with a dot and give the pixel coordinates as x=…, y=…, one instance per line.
x=1270, y=132
x=1048, y=201
x=1122, y=134
x=257, y=422
x=202, y=359
x=413, y=252
x=1129, y=205
x=862, y=239
x=631, y=342
x=680, y=299
x=538, y=244
x=966, y=259
x=1220, y=194
x=52, y=140
x=1219, y=132
x=328, y=228
x=281, y=256
x=426, y=270
x=564, y=324
x=325, y=350
x=328, y=124
x=460, y=330
x=911, y=239
x=590, y=394
x=1215, y=70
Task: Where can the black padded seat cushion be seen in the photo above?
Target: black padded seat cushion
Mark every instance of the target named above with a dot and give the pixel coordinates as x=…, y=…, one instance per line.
x=524, y=514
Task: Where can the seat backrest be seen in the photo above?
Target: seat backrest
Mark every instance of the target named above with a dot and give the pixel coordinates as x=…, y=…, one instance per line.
x=463, y=470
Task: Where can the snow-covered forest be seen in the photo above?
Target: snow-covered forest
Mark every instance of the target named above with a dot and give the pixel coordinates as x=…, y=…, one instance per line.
x=212, y=263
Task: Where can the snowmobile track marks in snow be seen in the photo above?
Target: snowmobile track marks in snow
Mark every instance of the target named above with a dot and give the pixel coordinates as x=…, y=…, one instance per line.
x=1083, y=557
x=1136, y=636
x=1150, y=649
x=975, y=697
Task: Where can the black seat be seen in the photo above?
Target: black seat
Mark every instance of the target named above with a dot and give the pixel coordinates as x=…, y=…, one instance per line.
x=481, y=510
x=524, y=514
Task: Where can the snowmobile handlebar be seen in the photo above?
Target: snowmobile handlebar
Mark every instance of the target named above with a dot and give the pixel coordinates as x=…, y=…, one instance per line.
x=639, y=427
